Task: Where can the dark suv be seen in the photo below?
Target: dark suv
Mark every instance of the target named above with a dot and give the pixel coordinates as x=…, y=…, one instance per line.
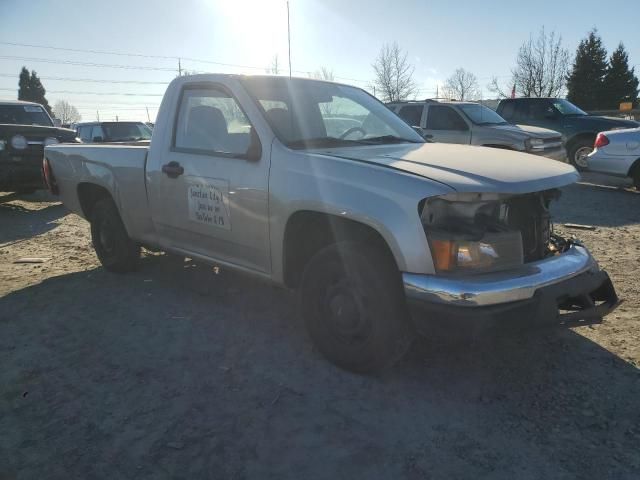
x=578, y=127
x=25, y=129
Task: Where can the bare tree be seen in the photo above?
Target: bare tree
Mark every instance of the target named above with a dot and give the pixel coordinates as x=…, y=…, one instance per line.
x=393, y=74
x=274, y=68
x=541, y=67
x=66, y=112
x=462, y=85
x=323, y=73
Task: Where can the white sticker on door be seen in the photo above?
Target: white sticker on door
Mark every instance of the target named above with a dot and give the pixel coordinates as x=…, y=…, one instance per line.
x=209, y=204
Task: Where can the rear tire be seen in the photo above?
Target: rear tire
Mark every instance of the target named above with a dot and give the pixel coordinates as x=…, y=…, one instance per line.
x=352, y=302
x=115, y=250
x=578, y=154
x=636, y=178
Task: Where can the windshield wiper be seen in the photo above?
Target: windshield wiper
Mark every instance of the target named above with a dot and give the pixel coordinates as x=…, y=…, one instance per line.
x=385, y=139
x=319, y=142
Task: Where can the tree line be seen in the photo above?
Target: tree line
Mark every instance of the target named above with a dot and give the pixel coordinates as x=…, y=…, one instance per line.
x=543, y=68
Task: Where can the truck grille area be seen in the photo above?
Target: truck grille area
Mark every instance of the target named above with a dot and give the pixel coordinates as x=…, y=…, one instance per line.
x=530, y=215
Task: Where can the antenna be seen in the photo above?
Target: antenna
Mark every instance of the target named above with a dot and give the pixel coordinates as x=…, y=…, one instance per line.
x=148, y=118
x=289, y=37
x=179, y=68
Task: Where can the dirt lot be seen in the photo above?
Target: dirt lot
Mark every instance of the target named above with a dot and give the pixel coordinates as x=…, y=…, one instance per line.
x=178, y=372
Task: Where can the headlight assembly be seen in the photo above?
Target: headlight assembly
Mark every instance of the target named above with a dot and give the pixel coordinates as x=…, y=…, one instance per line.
x=19, y=142
x=534, y=144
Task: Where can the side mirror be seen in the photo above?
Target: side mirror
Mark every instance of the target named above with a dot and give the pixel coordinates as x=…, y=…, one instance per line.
x=254, y=151
x=97, y=139
x=57, y=122
x=419, y=130
x=550, y=115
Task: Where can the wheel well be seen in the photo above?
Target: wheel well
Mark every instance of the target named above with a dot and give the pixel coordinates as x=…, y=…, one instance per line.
x=308, y=232
x=591, y=137
x=635, y=168
x=89, y=194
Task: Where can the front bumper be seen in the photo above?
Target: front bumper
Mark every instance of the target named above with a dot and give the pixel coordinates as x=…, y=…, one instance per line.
x=565, y=289
x=20, y=172
x=559, y=154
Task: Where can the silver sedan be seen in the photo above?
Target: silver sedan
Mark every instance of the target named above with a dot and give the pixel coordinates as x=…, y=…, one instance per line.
x=617, y=152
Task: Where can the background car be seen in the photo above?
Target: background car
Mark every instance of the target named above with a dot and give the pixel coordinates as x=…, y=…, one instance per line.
x=617, y=153
x=25, y=129
x=113, y=132
x=474, y=124
x=578, y=127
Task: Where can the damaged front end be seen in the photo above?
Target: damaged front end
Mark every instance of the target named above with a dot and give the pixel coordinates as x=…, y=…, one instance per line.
x=498, y=253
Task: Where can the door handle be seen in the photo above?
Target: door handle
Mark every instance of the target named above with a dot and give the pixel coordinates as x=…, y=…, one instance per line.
x=173, y=169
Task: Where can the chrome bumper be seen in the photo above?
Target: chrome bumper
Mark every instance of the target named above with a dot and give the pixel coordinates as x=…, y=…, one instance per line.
x=559, y=154
x=499, y=287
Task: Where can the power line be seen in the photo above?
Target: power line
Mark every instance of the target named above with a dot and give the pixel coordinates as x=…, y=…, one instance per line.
x=85, y=64
x=73, y=92
x=93, y=80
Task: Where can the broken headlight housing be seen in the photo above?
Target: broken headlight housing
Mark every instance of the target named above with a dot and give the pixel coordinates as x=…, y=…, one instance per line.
x=483, y=232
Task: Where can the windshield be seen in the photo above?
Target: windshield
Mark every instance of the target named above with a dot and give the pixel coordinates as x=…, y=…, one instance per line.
x=481, y=115
x=24, y=115
x=126, y=132
x=312, y=114
x=567, y=108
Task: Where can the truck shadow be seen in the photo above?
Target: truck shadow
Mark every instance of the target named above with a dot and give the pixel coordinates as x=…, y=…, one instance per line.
x=179, y=370
x=23, y=216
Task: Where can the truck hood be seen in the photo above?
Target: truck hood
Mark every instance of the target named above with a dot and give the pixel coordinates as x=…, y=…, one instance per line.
x=7, y=130
x=465, y=168
x=536, y=132
x=597, y=123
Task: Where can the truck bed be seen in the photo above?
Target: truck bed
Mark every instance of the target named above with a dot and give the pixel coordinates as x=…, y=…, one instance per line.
x=119, y=169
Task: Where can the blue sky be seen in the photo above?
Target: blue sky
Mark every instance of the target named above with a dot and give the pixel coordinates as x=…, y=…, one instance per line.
x=343, y=35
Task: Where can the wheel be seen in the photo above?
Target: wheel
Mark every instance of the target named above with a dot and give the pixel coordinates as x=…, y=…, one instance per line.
x=115, y=250
x=353, y=307
x=636, y=178
x=578, y=154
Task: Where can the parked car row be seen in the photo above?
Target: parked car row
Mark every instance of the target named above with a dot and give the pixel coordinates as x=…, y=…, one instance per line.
x=318, y=187
x=471, y=123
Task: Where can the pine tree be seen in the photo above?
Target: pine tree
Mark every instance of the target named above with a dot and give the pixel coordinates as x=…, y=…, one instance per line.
x=621, y=83
x=31, y=89
x=23, y=84
x=38, y=91
x=585, y=83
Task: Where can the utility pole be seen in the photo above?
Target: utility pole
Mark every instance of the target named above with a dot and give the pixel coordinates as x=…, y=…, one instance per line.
x=117, y=118
x=148, y=118
x=179, y=68
x=98, y=114
x=289, y=37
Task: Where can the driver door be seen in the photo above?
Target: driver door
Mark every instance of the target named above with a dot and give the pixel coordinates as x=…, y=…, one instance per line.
x=208, y=197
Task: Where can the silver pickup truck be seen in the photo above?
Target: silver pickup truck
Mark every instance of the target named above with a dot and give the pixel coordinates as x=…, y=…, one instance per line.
x=318, y=187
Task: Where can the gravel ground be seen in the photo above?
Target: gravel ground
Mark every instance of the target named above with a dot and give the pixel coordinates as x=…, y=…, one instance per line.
x=179, y=371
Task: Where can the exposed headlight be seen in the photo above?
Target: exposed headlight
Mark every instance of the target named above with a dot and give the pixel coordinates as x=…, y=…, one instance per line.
x=50, y=141
x=19, y=142
x=494, y=251
x=534, y=144
x=3, y=145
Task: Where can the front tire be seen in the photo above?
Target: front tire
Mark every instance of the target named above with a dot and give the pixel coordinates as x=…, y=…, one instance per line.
x=352, y=302
x=578, y=154
x=115, y=250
